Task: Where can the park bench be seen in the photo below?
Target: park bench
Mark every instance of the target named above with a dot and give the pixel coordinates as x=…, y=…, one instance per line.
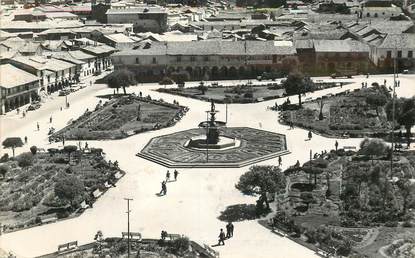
x=211, y=251
x=68, y=246
x=97, y=193
x=349, y=147
x=48, y=219
x=133, y=235
x=322, y=253
x=173, y=236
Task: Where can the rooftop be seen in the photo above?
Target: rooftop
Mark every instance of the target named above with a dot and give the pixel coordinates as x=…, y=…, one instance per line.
x=11, y=76
x=149, y=9
x=340, y=46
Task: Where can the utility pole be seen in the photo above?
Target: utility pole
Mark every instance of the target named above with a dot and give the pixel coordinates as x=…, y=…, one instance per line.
x=207, y=136
x=393, y=110
x=128, y=224
x=226, y=105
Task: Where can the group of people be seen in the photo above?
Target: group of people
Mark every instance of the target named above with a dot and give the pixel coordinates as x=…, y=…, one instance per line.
x=229, y=233
x=164, y=183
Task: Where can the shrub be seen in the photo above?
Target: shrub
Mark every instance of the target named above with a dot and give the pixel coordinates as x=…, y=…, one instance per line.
x=180, y=245
x=391, y=224
x=4, y=158
x=33, y=150
x=3, y=170
x=407, y=224
x=25, y=159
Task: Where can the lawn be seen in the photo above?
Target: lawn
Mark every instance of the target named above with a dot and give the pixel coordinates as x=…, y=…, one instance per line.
x=350, y=114
x=28, y=194
x=122, y=117
x=235, y=94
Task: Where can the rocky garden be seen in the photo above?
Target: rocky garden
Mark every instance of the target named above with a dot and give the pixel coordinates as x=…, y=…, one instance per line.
x=41, y=186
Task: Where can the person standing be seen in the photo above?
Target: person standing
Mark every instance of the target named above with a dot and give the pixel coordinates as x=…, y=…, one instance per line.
x=176, y=173
x=279, y=161
x=25, y=139
x=228, y=230
x=38, y=127
x=310, y=135
x=221, y=237
x=336, y=145
x=50, y=119
x=231, y=227
x=168, y=176
x=63, y=140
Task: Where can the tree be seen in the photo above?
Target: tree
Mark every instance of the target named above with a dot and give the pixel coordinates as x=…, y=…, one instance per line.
x=25, y=159
x=12, y=142
x=404, y=113
x=407, y=190
x=99, y=237
x=297, y=84
x=69, y=188
x=260, y=180
x=33, y=150
x=373, y=147
x=202, y=87
x=3, y=170
x=121, y=78
x=69, y=149
x=315, y=167
x=307, y=198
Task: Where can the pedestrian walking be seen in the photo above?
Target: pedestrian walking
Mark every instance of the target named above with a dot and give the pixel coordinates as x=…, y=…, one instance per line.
x=168, y=176
x=163, y=188
x=86, y=145
x=176, y=173
x=336, y=145
x=384, y=82
x=231, y=227
x=399, y=83
x=25, y=139
x=221, y=237
x=279, y=161
x=310, y=135
x=50, y=119
x=38, y=127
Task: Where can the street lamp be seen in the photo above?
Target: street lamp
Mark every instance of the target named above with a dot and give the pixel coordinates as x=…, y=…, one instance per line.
x=128, y=223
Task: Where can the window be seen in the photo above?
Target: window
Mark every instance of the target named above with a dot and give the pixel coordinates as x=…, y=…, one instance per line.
x=178, y=59
x=368, y=14
x=410, y=54
x=154, y=60
x=376, y=15
x=399, y=54
x=389, y=54
x=206, y=59
x=192, y=58
x=137, y=60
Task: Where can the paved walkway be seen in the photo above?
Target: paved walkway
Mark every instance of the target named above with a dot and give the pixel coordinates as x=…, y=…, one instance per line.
x=194, y=202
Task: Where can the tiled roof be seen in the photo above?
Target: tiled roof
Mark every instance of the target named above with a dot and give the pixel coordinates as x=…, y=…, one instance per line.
x=340, y=46
x=136, y=10
x=11, y=76
x=119, y=38
x=78, y=54
x=399, y=41
x=215, y=47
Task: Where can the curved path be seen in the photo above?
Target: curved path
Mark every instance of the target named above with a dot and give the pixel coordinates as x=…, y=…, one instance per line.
x=193, y=202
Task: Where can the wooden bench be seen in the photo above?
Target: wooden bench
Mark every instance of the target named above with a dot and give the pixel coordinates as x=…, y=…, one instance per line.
x=133, y=235
x=68, y=246
x=349, y=147
x=211, y=251
x=173, y=236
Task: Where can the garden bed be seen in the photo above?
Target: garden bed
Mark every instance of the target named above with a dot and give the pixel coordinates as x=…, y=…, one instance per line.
x=351, y=114
x=122, y=117
x=49, y=186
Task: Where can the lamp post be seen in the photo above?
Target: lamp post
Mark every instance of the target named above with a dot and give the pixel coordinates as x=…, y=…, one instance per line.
x=128, y=224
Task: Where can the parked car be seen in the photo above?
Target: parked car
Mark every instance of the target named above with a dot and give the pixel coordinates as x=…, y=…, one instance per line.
x=81, y=85
x=63, y=92
x=33, y=106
